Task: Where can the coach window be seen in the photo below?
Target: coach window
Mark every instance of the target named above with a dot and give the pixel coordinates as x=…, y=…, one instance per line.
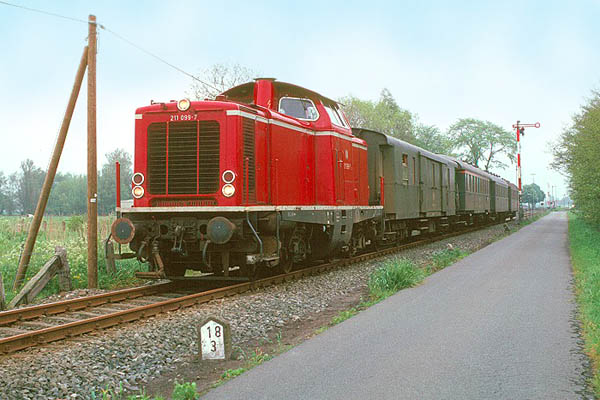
x=405, y=160
x=303, y=109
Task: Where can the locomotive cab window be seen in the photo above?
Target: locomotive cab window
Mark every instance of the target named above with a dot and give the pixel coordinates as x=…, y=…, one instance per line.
x=303, y=109
x=336, y=116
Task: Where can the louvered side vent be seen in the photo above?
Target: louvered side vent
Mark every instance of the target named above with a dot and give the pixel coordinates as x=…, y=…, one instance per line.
x=157, y=158
x=183, y=160
x=249, y=194
x=209, y=157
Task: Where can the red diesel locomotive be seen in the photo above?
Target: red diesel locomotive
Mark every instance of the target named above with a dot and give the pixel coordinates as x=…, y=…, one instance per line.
x=267, y=174
x=270, y=174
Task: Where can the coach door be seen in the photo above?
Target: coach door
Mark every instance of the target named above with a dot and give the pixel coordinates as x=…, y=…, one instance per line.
x=431, y=186
x=444, y=188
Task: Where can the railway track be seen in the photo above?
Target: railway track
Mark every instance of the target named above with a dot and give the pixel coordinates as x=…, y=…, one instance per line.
x=36, y=325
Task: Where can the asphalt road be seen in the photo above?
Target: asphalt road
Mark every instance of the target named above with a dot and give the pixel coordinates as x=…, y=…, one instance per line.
x=496, y=325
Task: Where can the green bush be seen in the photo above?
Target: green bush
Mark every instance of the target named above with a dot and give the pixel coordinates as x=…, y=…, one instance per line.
x=576, y=154
x=75, y=223
x=185, y=391
x=445, y=258
x=393, y=276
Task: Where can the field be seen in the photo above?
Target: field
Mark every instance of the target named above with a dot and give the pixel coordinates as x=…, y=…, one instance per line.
x=70, y=233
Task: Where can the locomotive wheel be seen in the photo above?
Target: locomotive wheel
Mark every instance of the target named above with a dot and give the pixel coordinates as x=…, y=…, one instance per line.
x=287, y=265
x=175, y=270
x=250, y=271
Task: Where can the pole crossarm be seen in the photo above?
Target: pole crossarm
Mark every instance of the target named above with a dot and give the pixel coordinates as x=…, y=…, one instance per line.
x=520, y=125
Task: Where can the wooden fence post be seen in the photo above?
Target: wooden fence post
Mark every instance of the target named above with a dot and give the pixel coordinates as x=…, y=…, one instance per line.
x=57, y=265
x=2, y=298
x=109, y=252
x=64, y=273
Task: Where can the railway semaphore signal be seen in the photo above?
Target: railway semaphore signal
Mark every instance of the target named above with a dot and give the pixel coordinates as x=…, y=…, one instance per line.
x=521, y=132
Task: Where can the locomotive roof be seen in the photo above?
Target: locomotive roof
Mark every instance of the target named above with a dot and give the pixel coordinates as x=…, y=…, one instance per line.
x=247, y=88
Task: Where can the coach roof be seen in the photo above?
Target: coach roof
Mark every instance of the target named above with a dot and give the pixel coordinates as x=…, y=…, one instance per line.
x=392, y=141
x=475, y=170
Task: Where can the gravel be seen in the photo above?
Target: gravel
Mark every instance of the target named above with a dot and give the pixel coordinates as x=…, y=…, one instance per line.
x=133, y=354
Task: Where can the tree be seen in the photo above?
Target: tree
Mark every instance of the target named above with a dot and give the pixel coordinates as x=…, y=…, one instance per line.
x=431, y=138
x=532, y=194
x=482, y=142
x=576, y=155
x=6, y=196
x=68, y=195
x=30, y=180
x=12, y=205
x=107, y=193
x=384, y=116
x=219, y=78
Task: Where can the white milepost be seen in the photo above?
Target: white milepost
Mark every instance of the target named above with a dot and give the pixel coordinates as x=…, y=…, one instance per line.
x=215, y=341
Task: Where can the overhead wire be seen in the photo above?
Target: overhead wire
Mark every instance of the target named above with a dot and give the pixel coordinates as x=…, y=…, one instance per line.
x=43, y=12
x=156, y=57
x=118, y=36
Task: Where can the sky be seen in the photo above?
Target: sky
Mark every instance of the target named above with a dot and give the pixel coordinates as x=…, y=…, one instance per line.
x=533, y=61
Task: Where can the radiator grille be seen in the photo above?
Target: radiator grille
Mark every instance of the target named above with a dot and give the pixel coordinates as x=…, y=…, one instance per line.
x=183, y=159
x=190, y=164
x=249, y=194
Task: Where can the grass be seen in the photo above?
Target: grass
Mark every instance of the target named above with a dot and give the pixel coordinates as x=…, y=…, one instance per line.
x=584, y=241
x=394, y=275
x=68, y=232
x=181, y=391
x=256, y=358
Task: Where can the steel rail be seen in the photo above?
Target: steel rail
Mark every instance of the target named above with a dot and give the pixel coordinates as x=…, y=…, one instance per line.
x=80, y=303
x=50, y=334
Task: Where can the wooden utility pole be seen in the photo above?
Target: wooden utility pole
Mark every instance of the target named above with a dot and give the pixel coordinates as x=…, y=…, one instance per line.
x=52, y=167
x=92, y=170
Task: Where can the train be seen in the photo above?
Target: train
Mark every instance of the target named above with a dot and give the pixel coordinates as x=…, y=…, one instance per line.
x=270, y=175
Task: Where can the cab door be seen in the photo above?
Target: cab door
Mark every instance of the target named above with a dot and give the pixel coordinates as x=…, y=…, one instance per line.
x=338, y=168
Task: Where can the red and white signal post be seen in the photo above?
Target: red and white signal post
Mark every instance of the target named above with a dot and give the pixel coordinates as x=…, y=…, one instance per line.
x=521, y=131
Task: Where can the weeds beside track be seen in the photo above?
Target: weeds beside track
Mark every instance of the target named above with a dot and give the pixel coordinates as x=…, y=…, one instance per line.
x=584, y=242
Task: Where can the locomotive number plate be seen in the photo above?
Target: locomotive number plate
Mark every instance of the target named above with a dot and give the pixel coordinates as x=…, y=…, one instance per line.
x=183, y=117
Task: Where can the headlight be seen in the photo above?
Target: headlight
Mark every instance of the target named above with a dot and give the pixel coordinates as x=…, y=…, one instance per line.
x=137, y=178
x=228, y=176
x=228, y=190
x=137, y=192
x=183, y=105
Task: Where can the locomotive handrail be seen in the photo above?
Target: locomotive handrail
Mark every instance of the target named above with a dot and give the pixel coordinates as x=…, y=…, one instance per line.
x=246, y=181
x=204, y=253
x=260, y=243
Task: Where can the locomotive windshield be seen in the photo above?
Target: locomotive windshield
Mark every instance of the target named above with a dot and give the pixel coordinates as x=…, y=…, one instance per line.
x=298, y=108
x=336, y=116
